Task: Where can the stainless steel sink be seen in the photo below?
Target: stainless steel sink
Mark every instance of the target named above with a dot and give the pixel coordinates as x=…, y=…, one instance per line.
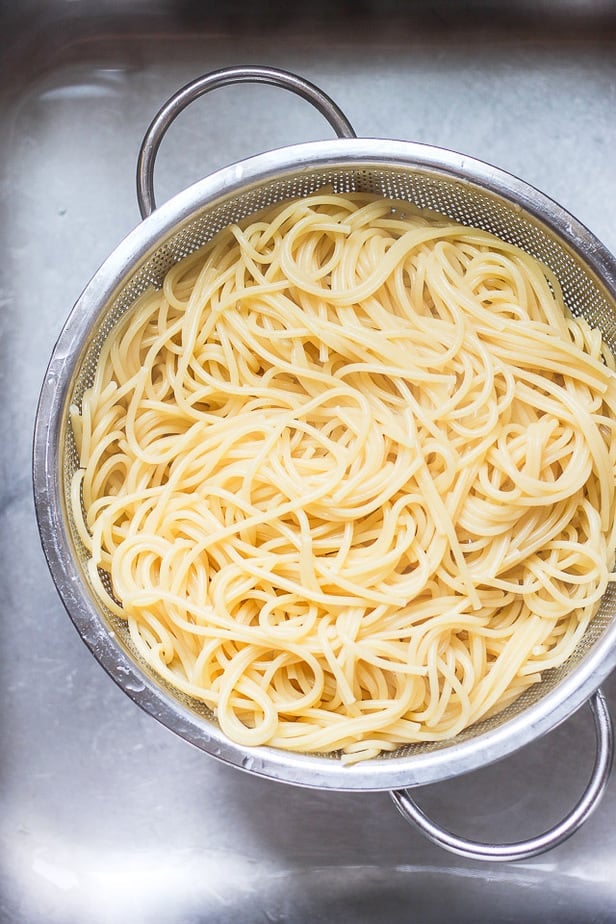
x=105, y=815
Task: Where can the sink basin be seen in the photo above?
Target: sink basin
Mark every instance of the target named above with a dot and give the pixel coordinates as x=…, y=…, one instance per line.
x=106, y=816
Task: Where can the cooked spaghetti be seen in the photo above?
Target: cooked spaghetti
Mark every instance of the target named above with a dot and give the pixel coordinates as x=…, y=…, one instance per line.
x=348, y=476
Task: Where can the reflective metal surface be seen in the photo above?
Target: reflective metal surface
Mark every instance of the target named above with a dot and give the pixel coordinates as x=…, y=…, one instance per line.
x=106, y=816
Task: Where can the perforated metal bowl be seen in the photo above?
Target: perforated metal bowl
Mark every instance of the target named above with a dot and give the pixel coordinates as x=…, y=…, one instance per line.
x=457, y=186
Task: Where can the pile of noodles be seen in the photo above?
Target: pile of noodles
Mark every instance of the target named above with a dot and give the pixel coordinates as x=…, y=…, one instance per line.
x=350, y=475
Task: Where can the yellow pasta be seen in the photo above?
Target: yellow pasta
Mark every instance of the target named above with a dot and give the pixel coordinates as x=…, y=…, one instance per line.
x=350, y=475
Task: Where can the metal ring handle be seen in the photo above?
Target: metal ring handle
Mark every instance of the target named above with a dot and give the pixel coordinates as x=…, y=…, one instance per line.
x=522, y=850
x=212, y=81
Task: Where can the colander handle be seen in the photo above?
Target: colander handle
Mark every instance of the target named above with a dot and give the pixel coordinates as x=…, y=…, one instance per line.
x=212, y=81
x=522, y=850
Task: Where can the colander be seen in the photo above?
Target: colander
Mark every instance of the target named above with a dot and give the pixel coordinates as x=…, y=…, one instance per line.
x=465, y=189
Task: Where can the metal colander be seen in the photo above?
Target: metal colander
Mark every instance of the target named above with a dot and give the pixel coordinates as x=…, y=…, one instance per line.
x=456, y=186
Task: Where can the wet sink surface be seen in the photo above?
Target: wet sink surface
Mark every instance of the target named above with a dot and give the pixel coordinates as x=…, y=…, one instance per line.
x=106, y=816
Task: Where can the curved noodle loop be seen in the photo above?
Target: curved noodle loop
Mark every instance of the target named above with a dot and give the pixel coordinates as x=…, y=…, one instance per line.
x=351, y=475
